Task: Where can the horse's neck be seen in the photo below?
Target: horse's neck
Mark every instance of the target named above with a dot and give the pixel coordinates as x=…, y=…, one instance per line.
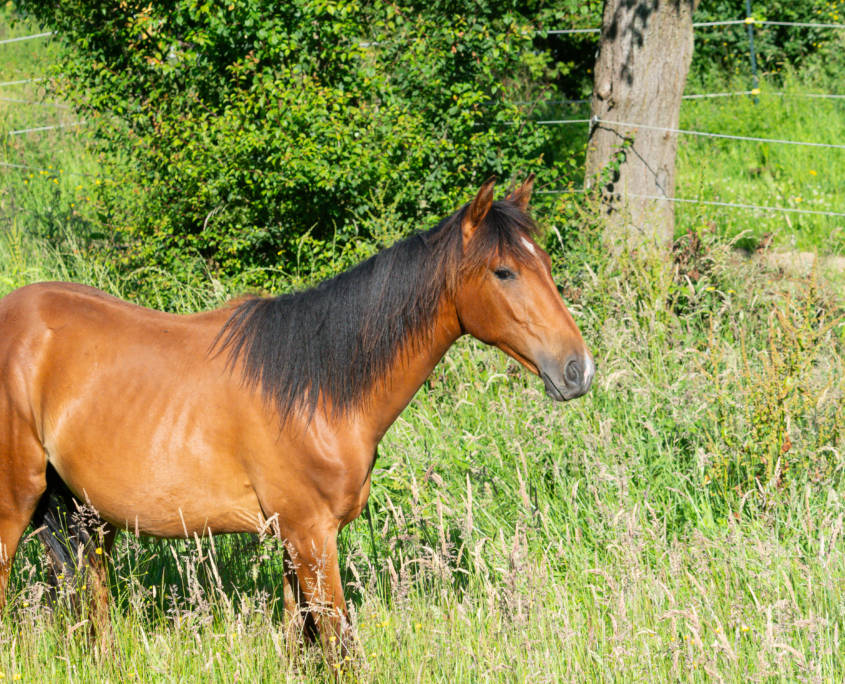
x=409, y=372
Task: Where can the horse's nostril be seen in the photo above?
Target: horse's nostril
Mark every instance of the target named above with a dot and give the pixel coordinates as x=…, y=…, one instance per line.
x=574, y=372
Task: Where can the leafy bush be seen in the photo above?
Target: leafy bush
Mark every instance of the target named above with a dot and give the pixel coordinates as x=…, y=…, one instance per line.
x=233, y=131
x=725, y=48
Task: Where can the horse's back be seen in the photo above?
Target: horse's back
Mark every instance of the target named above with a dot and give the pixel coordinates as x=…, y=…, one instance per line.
x=123, y=402
x=59, y=334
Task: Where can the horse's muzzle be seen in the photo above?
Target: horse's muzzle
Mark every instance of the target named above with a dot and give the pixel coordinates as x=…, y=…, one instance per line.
x=570, y=382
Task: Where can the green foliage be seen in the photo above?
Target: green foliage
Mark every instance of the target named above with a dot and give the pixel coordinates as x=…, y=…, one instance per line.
x=232, y=130
x=508, y=527
x=779, y=416
x=720, y=49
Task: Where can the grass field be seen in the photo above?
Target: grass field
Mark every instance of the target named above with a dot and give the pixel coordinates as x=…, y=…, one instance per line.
x=752, y=173
x=682, y=522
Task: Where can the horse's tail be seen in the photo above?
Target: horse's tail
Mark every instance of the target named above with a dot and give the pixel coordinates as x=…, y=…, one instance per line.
x=56, y=528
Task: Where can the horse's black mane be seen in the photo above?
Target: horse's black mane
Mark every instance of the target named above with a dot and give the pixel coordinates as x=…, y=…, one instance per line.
x=341, y=337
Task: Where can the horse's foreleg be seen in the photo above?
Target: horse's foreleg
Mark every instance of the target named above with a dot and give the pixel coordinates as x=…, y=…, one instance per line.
x=317, y=605
x=12, y=525
x=22, y=483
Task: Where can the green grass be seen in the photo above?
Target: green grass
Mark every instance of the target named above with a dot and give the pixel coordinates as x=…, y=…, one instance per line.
x=622, y=537
x=752, y=173
x=59, y=192
x=767, y=174
x=517, y=539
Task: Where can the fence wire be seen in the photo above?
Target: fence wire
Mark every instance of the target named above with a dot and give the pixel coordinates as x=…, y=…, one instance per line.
x=18, y=40
x=26, y=80
x=731, y=205
x=24, y=167
x=732, y=22
x=34, y=102
x=595, y=121
x=48, y=128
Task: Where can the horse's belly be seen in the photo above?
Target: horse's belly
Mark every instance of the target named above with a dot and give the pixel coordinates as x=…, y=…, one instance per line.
x=161, y=501
x=132, y=411
x=161, y=457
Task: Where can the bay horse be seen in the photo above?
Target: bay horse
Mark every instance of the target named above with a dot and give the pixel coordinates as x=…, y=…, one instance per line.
x=269, y=409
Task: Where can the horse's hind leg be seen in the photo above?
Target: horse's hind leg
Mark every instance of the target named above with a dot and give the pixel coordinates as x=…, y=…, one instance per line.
x=102, y=541
x=76, y=541
x=22, y=482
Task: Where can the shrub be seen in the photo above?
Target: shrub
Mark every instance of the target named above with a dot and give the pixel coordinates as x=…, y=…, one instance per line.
x=777, y=413
x=232, y=131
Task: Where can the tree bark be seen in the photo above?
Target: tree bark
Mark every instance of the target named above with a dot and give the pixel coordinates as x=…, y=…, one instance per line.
x=641, y=70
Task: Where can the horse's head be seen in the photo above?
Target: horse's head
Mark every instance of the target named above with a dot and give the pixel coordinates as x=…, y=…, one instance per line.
x=505, y=295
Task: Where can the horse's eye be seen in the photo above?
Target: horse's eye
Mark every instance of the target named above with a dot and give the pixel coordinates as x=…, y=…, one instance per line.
x=503, y=274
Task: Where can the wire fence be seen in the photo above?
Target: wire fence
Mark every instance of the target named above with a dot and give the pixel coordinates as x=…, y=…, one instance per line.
x=733, y=205
x=25, y=167
x=22, y=38
x=749, y=21
x=595, y=121
x=48, y=128
x=23, y=82
x=700, y=96
x=34, y=102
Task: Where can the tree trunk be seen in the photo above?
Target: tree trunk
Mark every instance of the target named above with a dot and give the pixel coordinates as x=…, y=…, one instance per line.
x=641, y=71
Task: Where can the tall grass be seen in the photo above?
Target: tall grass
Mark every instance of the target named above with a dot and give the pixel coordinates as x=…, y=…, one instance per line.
x=520, y=540
x=683, y=521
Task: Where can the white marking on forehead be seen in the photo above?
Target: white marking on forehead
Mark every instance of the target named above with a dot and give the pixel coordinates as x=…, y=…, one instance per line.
x=528, y=245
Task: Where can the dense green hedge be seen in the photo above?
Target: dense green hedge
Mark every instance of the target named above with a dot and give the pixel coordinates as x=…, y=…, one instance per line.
x=725, y=48
x=244, y=138
x=248, y=132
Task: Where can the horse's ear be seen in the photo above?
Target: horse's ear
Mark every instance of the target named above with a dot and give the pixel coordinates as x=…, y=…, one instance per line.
x=478, y=208
x=521, y=197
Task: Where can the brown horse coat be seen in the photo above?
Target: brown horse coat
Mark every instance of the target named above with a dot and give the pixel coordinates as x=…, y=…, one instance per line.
x=172, y=425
